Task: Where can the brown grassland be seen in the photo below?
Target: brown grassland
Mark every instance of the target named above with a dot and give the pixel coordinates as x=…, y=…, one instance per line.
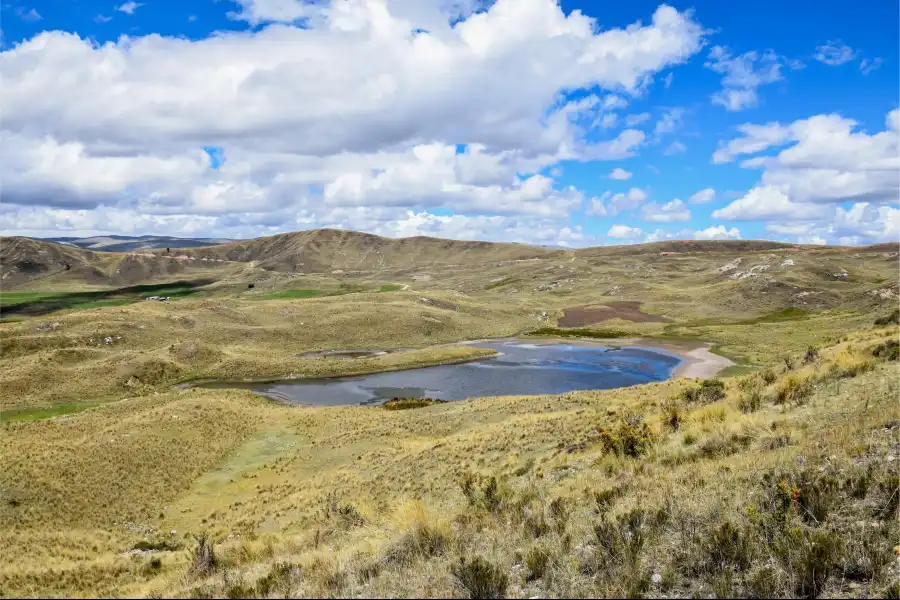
x=779, y=477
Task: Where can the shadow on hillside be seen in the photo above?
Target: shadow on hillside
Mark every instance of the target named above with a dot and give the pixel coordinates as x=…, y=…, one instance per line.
x=124, y=295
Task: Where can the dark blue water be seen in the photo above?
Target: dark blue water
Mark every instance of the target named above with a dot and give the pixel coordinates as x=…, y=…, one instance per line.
x=523, y=369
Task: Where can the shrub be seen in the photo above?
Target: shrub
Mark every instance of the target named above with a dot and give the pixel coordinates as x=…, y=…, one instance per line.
x=479, y=578
x=622, y=541
x=709, y=390
x=768, y=376
x=483, y=492
x=689, y=439
x=890, y=319
x=344, y=515
x=631, y=437
x=603, y=500
x=750, y=401
x=816, y=497
x=727, y=547
x=722, y=445
x=204, y=560
x=889, y=350
x=818, y=555
x=812, y=355
x=537, y=560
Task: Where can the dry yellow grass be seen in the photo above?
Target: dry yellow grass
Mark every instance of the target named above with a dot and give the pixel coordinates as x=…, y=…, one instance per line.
x=367, y=502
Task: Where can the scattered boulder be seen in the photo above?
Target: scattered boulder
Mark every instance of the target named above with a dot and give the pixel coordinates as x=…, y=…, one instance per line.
x=730, y=266
x=887, y=293
x=50, y=326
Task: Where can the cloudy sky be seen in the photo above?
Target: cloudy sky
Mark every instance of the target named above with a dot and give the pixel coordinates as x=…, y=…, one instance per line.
x=573, y=123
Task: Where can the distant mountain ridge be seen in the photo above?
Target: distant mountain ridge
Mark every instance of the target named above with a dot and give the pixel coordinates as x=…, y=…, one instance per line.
x=128, y=243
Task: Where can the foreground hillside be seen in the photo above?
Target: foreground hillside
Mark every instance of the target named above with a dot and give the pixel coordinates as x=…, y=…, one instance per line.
x=780, y=483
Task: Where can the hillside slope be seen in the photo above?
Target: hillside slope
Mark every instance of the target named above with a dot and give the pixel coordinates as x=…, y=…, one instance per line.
x=326, y=250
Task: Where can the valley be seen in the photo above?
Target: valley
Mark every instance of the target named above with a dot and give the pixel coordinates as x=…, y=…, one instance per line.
x=121, y=478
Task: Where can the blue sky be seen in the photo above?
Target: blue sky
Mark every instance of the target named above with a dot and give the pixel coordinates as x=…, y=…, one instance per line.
x=208, y=117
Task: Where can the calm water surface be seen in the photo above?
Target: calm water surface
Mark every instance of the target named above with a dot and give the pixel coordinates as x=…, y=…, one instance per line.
x=523, y=369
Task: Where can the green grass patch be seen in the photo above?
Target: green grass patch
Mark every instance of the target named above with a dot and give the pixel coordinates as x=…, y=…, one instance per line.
x=11, y=298
x=502, y=282
x=390, y=287
x=735, y=370
x=41, y=303
x=580, y=332
x=787, y=314
x=45, y=412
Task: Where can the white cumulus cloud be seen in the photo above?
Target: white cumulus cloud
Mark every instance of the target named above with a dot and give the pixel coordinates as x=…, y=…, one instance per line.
x=620, y=174
x=703, y=196
x=624, y=232
x=718, y=232
x=331, y=112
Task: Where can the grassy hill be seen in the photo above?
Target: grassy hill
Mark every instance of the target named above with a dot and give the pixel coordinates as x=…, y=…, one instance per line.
x=779, y=478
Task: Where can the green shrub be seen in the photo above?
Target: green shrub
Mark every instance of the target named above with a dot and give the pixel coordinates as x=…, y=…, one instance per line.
x=816, y=498
x=889, y=350
x=812, y=355
x=536, y=561
x=709, y=390
x=750, y=401
x=890, y=319
x=483, y=492
x=479, y=578
x=631, y=437
x=818, y=556
x=727, y=547
x=768, y=376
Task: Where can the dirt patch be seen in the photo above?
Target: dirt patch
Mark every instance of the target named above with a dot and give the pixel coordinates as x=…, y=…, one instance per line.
x=581, y=316
x=438, y=303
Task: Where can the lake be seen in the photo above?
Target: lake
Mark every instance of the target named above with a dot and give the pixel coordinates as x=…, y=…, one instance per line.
x=523, y=368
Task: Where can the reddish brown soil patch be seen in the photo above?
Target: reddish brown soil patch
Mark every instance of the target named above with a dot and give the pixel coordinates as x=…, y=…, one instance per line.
x=580, y=316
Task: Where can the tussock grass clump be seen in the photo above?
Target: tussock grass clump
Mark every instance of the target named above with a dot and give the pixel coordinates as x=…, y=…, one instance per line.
x=423, y=536
x=479, y=578
x=794, y=388
x=849, y=364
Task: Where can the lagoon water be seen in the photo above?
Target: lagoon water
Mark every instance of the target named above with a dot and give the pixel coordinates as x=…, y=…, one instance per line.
x=522, y=369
